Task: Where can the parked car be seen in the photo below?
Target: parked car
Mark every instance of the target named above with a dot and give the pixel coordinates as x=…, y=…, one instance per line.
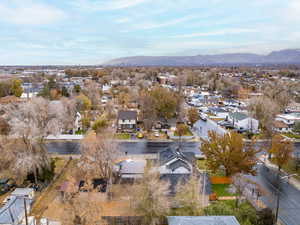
x=140, y=135
x=156, y=133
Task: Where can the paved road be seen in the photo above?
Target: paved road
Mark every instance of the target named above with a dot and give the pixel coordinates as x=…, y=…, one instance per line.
x=138, y=147
x=289, y=210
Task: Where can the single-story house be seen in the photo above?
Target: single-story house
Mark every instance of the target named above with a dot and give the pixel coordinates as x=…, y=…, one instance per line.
x=282, y=127
x=127, y=121
x=173, y=166
x=241, y=121
x=202, y=220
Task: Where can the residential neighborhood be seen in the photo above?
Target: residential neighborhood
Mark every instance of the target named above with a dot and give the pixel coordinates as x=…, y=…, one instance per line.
x=139, y=112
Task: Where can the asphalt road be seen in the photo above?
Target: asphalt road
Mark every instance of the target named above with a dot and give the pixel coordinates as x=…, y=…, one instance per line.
x=289, y=206
x=134, y=147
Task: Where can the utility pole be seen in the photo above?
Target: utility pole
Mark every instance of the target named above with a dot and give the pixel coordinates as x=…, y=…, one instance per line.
x=204, y=184
x=25, y=209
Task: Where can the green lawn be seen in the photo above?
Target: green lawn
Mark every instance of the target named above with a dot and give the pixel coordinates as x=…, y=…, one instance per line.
x=291, y=135
x=123, y=136
x=221, y=189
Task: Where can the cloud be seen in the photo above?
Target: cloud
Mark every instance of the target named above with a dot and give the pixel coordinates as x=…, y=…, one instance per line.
x=107, y=4
x=29, y=13
x=154, y=25
x=216, y=33
x=293, y=10
x=123, y=20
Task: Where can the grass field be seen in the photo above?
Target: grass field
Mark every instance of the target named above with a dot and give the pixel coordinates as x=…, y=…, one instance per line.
x=123, y=136
x=221, y=190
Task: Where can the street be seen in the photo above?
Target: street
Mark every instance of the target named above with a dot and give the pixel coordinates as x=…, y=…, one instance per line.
x=289, y=207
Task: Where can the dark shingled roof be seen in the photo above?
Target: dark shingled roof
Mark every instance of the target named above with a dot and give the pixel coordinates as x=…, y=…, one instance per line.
x=127, y=115
x=170, y=153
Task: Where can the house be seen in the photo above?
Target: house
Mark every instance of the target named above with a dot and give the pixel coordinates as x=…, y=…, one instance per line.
x=78, y=123
x=289, y=119
x=202, y=220
x=282, y=127
x=173, y=166
x=127, y=121
x=241, y=121
x=219, y=112
x=13, y=212
x=131, y=168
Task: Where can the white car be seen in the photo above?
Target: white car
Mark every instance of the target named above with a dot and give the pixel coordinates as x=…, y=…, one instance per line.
x=156, y=134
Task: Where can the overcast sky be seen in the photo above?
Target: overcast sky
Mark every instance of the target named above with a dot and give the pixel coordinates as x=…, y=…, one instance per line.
x=94, y=31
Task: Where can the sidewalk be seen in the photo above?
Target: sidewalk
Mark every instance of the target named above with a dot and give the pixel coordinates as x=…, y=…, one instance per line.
x=292, y=180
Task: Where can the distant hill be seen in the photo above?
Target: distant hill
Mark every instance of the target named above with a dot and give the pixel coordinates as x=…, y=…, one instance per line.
x=289, y=56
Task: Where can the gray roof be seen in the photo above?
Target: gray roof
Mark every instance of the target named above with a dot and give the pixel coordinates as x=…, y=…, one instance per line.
x=238, y=116
x=132, y=166
x=170, y=153
x=127, y=115
x=202, y=220
x=14, y=210
x=217, y=109
x=179, y=163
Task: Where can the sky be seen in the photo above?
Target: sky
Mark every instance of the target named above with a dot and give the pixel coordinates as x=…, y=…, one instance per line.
x=58, y=32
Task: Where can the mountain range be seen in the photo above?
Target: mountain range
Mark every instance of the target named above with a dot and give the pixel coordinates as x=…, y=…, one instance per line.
x=288, y=56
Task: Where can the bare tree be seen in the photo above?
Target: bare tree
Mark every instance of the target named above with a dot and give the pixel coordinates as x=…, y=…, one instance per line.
x=149, y=197
x=98, y=154
x=92, y=91
x=189, y=196
x=82, y=209
x=265, y=110
x=31, y=122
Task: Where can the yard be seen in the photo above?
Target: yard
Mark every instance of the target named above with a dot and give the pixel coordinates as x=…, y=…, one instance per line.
x=222, y=190
x=292, y=135
x=123, y=136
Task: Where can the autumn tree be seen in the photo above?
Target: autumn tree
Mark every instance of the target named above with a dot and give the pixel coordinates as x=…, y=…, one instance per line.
x=193, y=115
x=98, y=154
x=165, y=102
x=16, y=88
x=83, y=103
x=189, y=196
x=229, y=152
x=281, y=150
x=149, y=197
x=100, y=124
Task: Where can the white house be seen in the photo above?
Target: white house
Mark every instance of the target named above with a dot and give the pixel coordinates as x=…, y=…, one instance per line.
x=288, y=119
x=243, y=122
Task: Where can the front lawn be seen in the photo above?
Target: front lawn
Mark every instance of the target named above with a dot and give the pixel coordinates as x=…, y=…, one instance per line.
x=222, y=190
x=123, y=136
x=292, y=135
